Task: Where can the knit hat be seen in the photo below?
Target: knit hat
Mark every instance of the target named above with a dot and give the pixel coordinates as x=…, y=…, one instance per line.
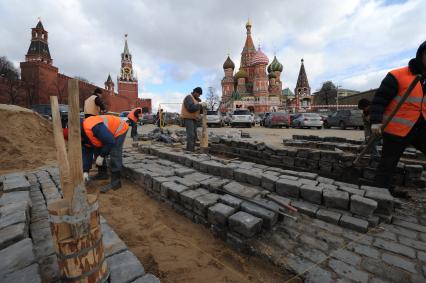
x=97, y=91
x=198, y=90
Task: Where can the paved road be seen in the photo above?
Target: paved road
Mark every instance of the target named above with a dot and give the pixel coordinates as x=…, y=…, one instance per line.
x=275, y=136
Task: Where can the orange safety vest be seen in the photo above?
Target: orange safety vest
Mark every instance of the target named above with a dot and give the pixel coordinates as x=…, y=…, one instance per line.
x=410, y=110
x=185, y=114
x=116, y=126
x=132, y=115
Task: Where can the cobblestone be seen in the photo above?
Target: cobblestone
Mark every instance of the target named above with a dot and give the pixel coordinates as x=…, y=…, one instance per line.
x=218, y=214
x=311, y=193
x=394, y=247
x=400, y=262
x=288, y=188
x=362, y=206
x=348, y=271
x=364, y=250
x=245, y=224
x=353, y=223
x=409, y=225
x=329, y=216
x=336, y=199
x=347, y=256
x=418, y=245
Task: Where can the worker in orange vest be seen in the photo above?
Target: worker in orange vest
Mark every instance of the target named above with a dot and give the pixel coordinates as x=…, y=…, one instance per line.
x=408, y=126
x=94, y=104
x=106, y=133
x=134, y=118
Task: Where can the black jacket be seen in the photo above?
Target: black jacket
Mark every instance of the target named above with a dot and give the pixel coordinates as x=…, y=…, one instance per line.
x=389, y=88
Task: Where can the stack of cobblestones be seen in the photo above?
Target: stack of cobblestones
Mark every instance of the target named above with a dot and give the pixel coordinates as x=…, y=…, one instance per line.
x=328, y=163
x=26, y=245
x=332, y=143
x=318, y=246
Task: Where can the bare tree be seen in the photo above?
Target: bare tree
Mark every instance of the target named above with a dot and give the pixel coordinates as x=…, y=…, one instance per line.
x=212, y=99
x=327, y=94
x=7, y=70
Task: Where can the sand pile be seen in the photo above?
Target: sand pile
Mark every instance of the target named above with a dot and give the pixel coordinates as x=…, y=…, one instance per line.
x=26, y=139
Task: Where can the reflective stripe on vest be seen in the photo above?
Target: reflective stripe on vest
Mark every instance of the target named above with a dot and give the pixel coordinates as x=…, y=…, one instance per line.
x=120, y=127
x=409, y=112
x=132, y=115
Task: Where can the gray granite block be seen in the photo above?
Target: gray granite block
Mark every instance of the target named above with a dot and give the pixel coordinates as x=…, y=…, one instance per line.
x=124, y=267
x=12, y=234
x=354, y=223
x=218, y=214
x=306, y=207
x=231, y=201
x=16, y=256
x=311, y=193
x=245, y=224
x=187, y=197
x=203, y=202
x=242, y=190
x=362, y=206
x=288, y=188
x=329, y=216
x=112, y=243
x=269, y=217
x=147, y=278
x=336, y=199
x=29, y=274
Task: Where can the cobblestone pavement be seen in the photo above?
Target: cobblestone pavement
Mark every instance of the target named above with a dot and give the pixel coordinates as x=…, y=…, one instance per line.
x=310, y=247
x=26, y=245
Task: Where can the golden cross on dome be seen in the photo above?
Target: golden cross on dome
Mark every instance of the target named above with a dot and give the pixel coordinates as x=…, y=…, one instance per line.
x=39, y=19
x=125, y=35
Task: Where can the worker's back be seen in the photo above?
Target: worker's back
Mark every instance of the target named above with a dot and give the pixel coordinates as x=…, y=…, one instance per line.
x=90, y=107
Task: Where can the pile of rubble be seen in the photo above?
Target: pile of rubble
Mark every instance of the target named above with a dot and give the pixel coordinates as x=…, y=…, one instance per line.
x=335, y=164
x=325, y=244
x=164, y=135
x=26, y=245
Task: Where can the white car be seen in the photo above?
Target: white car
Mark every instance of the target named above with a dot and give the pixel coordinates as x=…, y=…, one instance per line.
x=214, y=118
x=307, y=120
x=242, y=117
x=123, y=116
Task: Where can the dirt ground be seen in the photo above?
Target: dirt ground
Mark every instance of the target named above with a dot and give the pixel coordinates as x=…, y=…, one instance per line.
x=172, y=247
x=26, y=140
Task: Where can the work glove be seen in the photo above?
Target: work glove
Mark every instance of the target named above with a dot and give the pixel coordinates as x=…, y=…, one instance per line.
x=376, y=129
x=86, y=177
x=204, y=104
x=99, y=161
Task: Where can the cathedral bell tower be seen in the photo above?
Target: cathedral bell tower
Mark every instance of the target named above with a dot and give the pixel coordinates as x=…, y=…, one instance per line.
x=127, y=82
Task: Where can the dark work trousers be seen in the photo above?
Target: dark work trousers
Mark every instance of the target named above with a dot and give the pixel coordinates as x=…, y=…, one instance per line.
x=191, y=133
x=134, y=131
x=392, y=150
x=116, y=154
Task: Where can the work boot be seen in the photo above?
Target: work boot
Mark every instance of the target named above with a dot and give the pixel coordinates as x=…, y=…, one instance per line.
x=102, y=173
x=115, y=183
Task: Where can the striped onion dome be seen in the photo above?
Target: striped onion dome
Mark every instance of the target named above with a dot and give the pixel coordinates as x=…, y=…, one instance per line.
x=275, y=66
x=259, y=58
x=228, y=64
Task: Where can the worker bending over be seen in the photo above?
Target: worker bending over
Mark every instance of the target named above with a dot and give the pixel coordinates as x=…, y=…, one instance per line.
x=106, y=133
x=134, y=118
x=190, y=113
x=408, y=126
x=94, y=104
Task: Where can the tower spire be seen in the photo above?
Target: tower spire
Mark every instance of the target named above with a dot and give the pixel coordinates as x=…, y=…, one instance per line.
x=39, y=48
x=302, y=85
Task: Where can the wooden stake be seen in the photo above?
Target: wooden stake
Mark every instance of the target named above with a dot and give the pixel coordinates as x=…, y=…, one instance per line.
x=79, y=205
x=204, y=141
x=61, y=151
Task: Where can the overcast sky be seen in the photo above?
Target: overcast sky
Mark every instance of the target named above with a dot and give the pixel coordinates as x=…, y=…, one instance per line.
x=177, y=45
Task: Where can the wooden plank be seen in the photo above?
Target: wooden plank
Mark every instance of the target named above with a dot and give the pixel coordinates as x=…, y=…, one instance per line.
x=61, y=151
x=74, y=135
x=204, y=141
x=79, y=204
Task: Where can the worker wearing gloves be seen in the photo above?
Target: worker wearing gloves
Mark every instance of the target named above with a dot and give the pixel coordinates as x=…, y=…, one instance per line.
x=134, y=118
x=190, y=113
x=408, y=126
x=105, y=133
x=94, y=104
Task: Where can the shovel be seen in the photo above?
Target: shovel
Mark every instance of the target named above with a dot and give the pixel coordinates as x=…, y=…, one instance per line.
x=374, y=138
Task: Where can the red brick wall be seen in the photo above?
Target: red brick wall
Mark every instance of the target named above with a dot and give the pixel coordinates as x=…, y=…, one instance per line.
x=40, y=81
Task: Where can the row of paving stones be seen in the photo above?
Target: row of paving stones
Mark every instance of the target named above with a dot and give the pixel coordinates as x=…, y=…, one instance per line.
x=331, y=143
x=26, y=245
x=329, y=163
x=349, y=205
x=313, y=249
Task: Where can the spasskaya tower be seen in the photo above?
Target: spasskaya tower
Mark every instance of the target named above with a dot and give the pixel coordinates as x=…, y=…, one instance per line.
x=127, y=81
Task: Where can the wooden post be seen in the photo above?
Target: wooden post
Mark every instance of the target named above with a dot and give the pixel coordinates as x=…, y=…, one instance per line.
x=61, y=151
x=204, y=141
x=75, y=220
x=79, y=204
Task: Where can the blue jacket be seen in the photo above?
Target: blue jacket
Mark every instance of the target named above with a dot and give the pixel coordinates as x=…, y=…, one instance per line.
x=101, y=132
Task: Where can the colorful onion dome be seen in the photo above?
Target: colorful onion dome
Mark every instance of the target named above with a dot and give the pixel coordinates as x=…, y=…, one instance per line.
x=241, y=74
x=275, y=66
x=272, y=76
x=228, y=64
x=259, y=58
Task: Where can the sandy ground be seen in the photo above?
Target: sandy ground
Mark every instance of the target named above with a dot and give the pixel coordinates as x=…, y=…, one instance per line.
x=26, y=139
x=174, y=248
x=275, y=136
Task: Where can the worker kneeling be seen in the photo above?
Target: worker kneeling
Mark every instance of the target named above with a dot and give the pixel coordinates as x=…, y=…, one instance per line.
x=105, y=133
